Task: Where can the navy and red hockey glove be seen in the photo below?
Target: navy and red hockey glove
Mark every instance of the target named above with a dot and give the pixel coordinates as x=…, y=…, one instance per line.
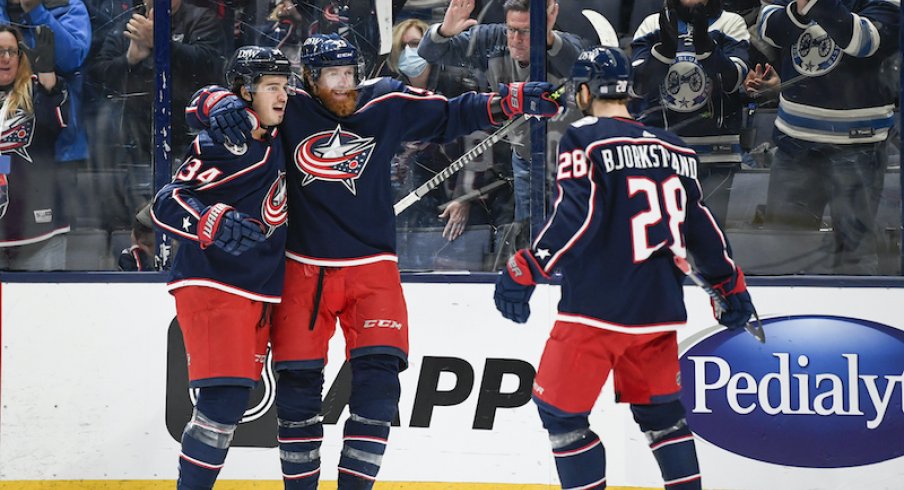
x=232, y=231
x=515, y=285
x=531, y=98
x=740, y=305
x=223, y=114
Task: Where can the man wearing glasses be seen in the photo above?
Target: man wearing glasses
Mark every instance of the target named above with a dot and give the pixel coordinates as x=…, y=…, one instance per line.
x=502, y=53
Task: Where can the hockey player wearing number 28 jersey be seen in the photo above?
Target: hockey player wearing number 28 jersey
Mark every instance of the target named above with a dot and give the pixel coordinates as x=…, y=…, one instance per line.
x=340, y=136
x=227, y=206
x=628, y=202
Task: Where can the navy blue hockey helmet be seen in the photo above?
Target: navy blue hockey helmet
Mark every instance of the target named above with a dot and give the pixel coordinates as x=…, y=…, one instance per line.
x=249, y=63
x=605, y=70
x=324, y=50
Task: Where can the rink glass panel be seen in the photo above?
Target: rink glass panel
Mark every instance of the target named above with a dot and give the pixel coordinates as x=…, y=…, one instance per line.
x=117, y=179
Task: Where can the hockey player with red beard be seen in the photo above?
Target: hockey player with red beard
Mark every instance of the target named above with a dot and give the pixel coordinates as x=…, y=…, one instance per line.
x=340, y=136
x=227, y=206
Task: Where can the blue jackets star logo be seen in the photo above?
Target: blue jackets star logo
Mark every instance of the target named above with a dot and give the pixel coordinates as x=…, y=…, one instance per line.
x=16, y=134
x=337, y=155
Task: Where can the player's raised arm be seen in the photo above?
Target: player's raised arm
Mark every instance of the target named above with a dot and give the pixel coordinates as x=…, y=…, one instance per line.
x=430, y=117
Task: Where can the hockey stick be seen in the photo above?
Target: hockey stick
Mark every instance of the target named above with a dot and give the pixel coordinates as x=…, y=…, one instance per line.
x=603, y=28
x=469, y=156
x=755, y=329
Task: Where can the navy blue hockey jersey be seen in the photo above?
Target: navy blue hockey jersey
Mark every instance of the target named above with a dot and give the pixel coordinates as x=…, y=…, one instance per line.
x=699, y=94
x=338, y=168
x=627, y=201
x=250, y=178
x=841, y=86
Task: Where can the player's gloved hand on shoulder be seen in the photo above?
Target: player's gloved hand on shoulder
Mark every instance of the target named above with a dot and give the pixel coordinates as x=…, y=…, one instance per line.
x=740, y=305
x=668, y=33
x=703, y=42
x=228, y=229
x=515, y=286
x=531, y=98
x=229, y=121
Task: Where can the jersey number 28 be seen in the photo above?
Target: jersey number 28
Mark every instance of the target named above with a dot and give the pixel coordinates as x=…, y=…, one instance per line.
x=673, y=202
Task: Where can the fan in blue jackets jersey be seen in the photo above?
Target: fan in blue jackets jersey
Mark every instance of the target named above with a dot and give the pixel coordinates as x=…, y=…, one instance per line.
x=340, y=137
x=833, y=123
x=690, y=60
x=627, y=204
x=227, y=204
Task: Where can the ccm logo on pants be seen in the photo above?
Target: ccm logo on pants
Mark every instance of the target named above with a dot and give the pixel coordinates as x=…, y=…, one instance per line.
x=382, y=324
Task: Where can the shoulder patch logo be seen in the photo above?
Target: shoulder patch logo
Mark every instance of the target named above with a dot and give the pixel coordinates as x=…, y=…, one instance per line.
x=237, y=150
x=337, y=156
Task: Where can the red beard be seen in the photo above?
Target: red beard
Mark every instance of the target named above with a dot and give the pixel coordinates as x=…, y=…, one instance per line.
x=341, y=108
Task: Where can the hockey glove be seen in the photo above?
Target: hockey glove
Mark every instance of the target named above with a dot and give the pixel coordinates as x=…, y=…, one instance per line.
x=515, y=286
x=703, y=42
x=531, y=98
x=668, y=33
x=228, y=229
x=740, y=306
x=229, y=121
x=41, y=56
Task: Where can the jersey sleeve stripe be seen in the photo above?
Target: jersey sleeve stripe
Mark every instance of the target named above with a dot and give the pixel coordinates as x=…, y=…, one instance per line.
x=765, y=13
x=238, y=174
x=401, y=95
x=550, y=265
x=864, y=38
x=184, y=204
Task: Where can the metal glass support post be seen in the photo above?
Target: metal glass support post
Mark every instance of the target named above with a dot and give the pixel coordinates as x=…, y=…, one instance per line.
x=163, y=126
x=537, y=126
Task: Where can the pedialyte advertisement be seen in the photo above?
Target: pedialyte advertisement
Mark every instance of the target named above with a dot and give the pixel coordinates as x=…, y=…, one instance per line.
x=99, y=369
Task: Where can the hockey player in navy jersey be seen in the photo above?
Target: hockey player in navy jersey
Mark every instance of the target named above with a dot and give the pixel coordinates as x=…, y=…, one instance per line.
x=833, y=124
x=340, y=136
x=628, y=202
x=227, y=206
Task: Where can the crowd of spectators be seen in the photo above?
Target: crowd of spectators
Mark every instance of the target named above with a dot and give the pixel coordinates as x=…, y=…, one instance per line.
x=717, y=72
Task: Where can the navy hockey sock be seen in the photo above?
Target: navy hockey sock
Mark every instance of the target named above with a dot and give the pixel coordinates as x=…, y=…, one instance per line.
x=206, y=438
x=672, y=444
x=580, y=455
x=363, y=445
x=373, y=405
x=300, y=429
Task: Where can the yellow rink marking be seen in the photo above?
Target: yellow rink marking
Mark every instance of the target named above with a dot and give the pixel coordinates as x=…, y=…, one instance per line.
x=260, y=485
